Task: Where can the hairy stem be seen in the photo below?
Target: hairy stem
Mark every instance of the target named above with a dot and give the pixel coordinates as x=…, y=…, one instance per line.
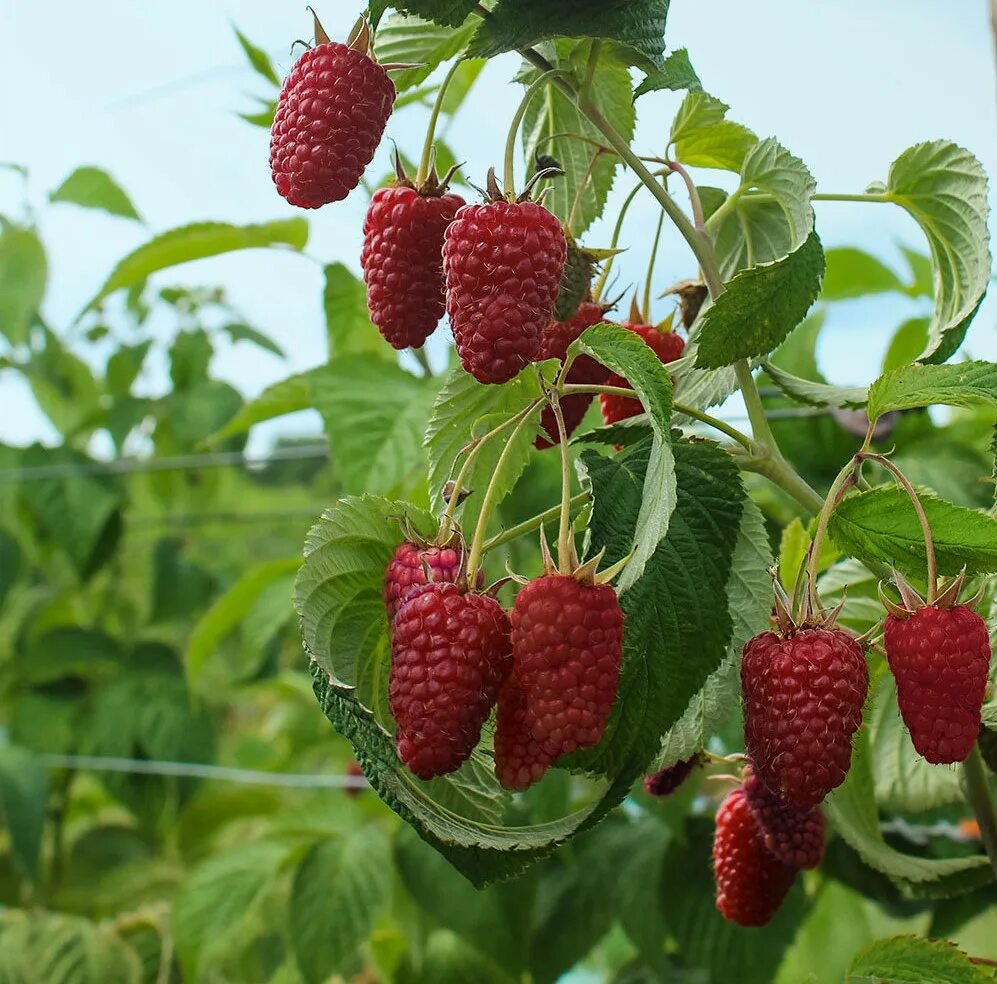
x=534, y=523
x=974, y=785
x=694, y=202
x=510, y=144
x=565, y=544
x=427, y=149
x=646, y=308
x=420, y=357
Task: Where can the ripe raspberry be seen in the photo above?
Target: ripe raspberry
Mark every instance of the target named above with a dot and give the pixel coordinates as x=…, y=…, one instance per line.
x=403, y=263
x=567, y=643
x=407, y=569
x=330, y=117
x=803, y=698
x=792, y=835
x=667, y=781
x=751, y=883
x=666, y=345
x=520, y=761
x=503, y=263
x=940, y=658
x=449, y=656
x=584, y=371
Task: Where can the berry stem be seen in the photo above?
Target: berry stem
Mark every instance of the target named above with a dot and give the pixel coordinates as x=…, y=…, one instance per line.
x=419, y=355
x=845, y=479
x=510, y=144
x=646, y=307
x=694, y=201
x=529, y=525
x=977, y=792
x=427, y=149
x=565, y=538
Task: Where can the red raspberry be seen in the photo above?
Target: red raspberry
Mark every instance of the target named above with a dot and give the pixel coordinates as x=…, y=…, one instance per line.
x=503, y=263
x=940, y=658
x=567, y=643
x=793, y=835
x=330, y=117
x=449, y=656
x=751, y=883
x=667, y=781
x=407, y=569
x=403, y=263
x=803, y=698
x=584, y=371
x=666, y=345
x=519, y=759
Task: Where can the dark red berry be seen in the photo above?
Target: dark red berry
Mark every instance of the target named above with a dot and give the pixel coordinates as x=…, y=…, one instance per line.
x=330, y=117
x=584, y=371
x=667, y=781
x=751, y=883
x=520, y=760
x=503, y=263
x=402, y=262
x=407, y=570
x=450, y=654
x=666, y=345
x=793, y=835
x=940, y=658
x=803, y=698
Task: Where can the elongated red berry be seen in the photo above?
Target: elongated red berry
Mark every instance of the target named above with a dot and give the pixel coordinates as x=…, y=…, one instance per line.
x=666, y=345
x=584, y=371
x=331, y=115
x=520, y=760
x=503, y=263
x=667, y=781
x=751, y=883
x=450, y=654
x=402, y=262
x=940, y=658
x=407, y=570
x=793, y=835
x=803, y=698
x=567, y=642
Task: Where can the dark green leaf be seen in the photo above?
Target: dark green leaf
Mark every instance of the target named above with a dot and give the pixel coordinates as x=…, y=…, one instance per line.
x=347, y=322
x=676, y=73
x=64, y=386
x=23, y=802
x=962, y=384
x=92, y=187
x=407, y=40
x=190, y=356
x=239, y=332
x=287, y=396
x=10, y=563
x=449, y=13
x=914, y=960
x=124, y=366
x=855, y=273
x=23, y=275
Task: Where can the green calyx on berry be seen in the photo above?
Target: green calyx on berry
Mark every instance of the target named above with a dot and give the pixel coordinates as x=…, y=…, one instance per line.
x=433, y=187
x=493, y=192
x=789, y=618
x=912, y=602
x=587, y=573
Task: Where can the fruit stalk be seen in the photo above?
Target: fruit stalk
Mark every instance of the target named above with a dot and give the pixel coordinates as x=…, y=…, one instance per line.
x=427, y=149
x=564, y=533
x=974, y=785
x=510, y=143
x=534, y=523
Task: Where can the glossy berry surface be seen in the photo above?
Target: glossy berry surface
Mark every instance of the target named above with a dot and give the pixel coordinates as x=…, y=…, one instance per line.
x=450, y=655
x=667, y=781
x=402, y=262
x=503, y=263
x=520, y=760
x=794, y=835
x=803, y=700
x=751, y=883
x=940, y=658
x=407, y=570
x=330, y=117
x=666, y=345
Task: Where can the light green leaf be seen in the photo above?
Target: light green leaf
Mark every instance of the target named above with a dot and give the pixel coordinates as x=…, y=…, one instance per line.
x=962, y=384
x=907, y=344
x=704, y=137
x=676, y=73
x=240, y=332
x=64, y=387
x=92, y=187
x=258, y=58
x=23, y=275
x=914, y=960
x=817, y=394
x=23, y=804
x=406, y=40
x=287, y=396
x=348, y=323
x=449, y=13
x=855, y=273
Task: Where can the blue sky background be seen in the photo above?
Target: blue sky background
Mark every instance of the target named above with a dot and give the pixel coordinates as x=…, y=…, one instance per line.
x=150, y=91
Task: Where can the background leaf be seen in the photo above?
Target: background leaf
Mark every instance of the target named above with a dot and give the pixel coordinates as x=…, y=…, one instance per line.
x=23, y=803
x=93, y=187
x=913, y=960
x=23, y=275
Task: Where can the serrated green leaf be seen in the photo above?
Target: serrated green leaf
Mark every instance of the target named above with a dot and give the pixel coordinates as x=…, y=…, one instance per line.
x=704, y=137
x=962, y=384
x=449, y=13
x=406, y=40
x=23, y=805
x=854, y=273
x=347, y=320
x=760, y=307
x=93, y=187
x=196, y=242
x=914, y=960
x=817, y=394
x=23, y=275
x=882, y=526
x=258, y=58
x=676, y=73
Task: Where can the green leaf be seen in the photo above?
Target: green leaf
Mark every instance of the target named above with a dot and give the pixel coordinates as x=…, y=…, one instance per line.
x=124, y=366
x=240, y=332
x=64, y=386
x=638, y=26
x=448, y=958
x=10, y=563
x=760, y=307
x=196, y=242
x=407, y=40
x=676, y=73
x=339, y=890
x=449, y=13
x=554, y=115
x=23, y=275
x=67, y=651
x=23, y=803
x=817, y=394
x=922, y=271
x=190, y=356
x=92, y=187
x=914, y=960
x=944, y=188
x=626, y=354
x=703, y=137
x=287, y=396
x=375, y=414
x=348, y=324
x=258, y=58
x=963, y=384
x=882, y=526
x=907, y=344
x=855, y=273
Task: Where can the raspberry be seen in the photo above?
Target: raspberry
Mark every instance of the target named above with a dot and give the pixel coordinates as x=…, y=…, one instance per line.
x=567, y=643
x=792, y=835
x=803, y=698
x=330, y=117
x=751, y=883
x=584, y=371
x=403, y=264
x=503, y=263
x=519, y=759
x=667, y=781
x=449, y=656
x=407, y=569
x=940, y=658
x=666, y=345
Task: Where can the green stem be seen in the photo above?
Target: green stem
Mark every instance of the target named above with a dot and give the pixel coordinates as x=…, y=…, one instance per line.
x=977, y=792
x=617, y=232
x=694, y=201
x=565, y=543
x=779, y=472
x=869, y=197
x=760, y=428
x=423, y=360
x=650, y=266
x=844, y=480
x=510, y=144
x=427, y=149
x=534, y=523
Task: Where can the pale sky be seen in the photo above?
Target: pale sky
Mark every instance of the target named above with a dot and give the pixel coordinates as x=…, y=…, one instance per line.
x=150, y=91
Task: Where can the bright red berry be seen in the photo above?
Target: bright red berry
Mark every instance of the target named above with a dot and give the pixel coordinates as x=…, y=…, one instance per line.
x=584, y=371
x=803, y=698
x=567, y=643
x=940, y=658
x=407, y=570
x=666, y=345
x=793, y=835
x=520, y=760
x=503, y=263
x=667, y=781
x=402, y=262
x=450, y=654
x=751, y=883
x=330, y=117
